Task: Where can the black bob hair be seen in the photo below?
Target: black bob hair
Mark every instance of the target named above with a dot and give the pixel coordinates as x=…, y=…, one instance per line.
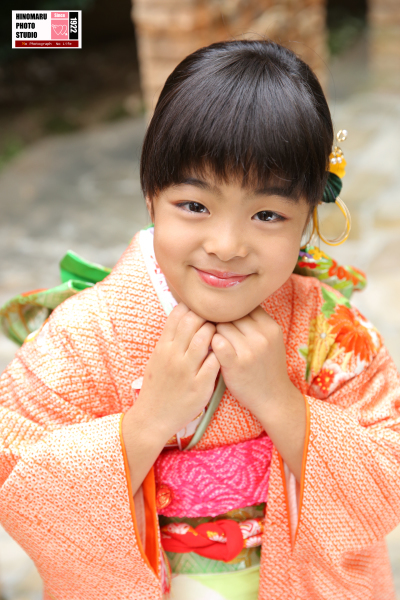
x=243, y=109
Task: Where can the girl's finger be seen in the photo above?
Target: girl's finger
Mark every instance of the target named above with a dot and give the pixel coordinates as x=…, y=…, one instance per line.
x=187, y=327
x=259, y=315
x=256, y=322
x=231, y=333
x=265, y=324
x=247, y=326
x=199, y=345
x=223, y=350
x=210, y=365
x=173, y=320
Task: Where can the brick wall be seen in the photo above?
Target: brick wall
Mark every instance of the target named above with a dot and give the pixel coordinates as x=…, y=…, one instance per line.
x=384, y=21
x=169, y=30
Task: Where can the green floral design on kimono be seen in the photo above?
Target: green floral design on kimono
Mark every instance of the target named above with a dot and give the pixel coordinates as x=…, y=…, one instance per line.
x=315, y=263
x=341, y=343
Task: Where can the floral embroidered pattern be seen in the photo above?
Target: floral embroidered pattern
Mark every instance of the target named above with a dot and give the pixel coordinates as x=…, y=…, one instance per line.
x=353, y=333
x=341, y=343
x=325, y=379
x=312, y=261
x=319, y=343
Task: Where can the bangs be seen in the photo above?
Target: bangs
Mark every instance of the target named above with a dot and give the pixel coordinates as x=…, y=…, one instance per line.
x=240, y=111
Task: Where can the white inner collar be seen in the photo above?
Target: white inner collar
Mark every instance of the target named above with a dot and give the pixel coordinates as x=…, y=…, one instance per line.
x=146, y=241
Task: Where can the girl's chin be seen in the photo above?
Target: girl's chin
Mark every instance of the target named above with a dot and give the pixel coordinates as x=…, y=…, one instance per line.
x=219, y=315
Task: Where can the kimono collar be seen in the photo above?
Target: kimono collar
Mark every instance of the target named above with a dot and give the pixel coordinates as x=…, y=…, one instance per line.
x=146, y=241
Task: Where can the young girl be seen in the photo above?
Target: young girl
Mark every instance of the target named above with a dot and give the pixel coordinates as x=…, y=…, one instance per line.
x=203, y=387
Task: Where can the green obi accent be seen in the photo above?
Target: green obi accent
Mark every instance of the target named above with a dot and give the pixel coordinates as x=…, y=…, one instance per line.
x=242, y=585
x=74, y=267
x=191, y=563
x=24, y=314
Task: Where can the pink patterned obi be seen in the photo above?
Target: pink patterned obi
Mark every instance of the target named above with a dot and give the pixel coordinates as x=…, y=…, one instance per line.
x=207, y=483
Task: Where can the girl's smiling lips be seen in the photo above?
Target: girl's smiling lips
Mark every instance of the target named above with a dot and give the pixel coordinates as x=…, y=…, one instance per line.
x=221, y=279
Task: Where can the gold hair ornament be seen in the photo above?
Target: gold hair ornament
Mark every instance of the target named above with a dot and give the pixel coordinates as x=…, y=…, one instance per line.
x=337, y=164
x=343, y=237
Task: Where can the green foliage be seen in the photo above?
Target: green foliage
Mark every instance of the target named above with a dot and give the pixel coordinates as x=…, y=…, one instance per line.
x=59, y=123
x=117, y=112
x=11, y=147
x=344, y=28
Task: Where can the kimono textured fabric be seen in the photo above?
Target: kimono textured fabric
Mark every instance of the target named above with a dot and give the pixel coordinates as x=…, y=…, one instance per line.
x=65, y=490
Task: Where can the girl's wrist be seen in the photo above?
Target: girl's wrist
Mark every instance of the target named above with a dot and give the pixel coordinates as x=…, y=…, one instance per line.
x=274, y=407
x=143, y=444
x=147, y=425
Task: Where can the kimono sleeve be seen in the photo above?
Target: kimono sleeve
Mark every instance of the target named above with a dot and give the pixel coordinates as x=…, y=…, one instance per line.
x=349, y=499
x=64, y=493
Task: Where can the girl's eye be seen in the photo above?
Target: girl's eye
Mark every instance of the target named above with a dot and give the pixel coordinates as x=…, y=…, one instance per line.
x=195, y=207
x=269, y=216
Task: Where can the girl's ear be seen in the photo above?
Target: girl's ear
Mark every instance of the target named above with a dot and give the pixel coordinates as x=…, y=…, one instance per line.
x=150, y=210
x=308, y=230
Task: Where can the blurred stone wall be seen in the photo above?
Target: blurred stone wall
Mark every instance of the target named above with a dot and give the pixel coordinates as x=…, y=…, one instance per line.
x=169, y=30
x=384, y=21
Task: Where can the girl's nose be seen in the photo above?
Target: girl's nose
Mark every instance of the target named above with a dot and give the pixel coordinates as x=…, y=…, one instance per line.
x=227, y=243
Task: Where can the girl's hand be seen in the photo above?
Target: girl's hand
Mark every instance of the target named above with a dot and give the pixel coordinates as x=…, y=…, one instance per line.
x=180, y=375
x=252, y=355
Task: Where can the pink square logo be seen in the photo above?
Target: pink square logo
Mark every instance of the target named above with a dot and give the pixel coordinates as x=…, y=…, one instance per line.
x=59, y=26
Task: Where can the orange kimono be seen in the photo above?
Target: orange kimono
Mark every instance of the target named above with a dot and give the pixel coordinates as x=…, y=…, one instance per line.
x=65, y=493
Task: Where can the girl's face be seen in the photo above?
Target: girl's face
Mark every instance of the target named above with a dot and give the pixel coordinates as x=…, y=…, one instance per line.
x=224, y=249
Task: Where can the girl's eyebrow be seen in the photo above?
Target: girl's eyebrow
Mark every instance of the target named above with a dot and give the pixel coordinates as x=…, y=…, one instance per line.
x=200, y=183
x=276, y=190
x=273, y=190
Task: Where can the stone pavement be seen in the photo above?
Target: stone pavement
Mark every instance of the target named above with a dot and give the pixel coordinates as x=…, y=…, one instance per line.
x=82, y=192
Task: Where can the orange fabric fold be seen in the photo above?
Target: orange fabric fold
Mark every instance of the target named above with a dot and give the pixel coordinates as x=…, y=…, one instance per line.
x=303, y=466
x=151, y=554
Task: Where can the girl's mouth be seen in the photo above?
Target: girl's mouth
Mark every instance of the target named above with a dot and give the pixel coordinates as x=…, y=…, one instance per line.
x=220, y=282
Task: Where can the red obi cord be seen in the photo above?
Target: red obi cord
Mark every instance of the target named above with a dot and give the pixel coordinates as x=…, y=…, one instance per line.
x=219, y=540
